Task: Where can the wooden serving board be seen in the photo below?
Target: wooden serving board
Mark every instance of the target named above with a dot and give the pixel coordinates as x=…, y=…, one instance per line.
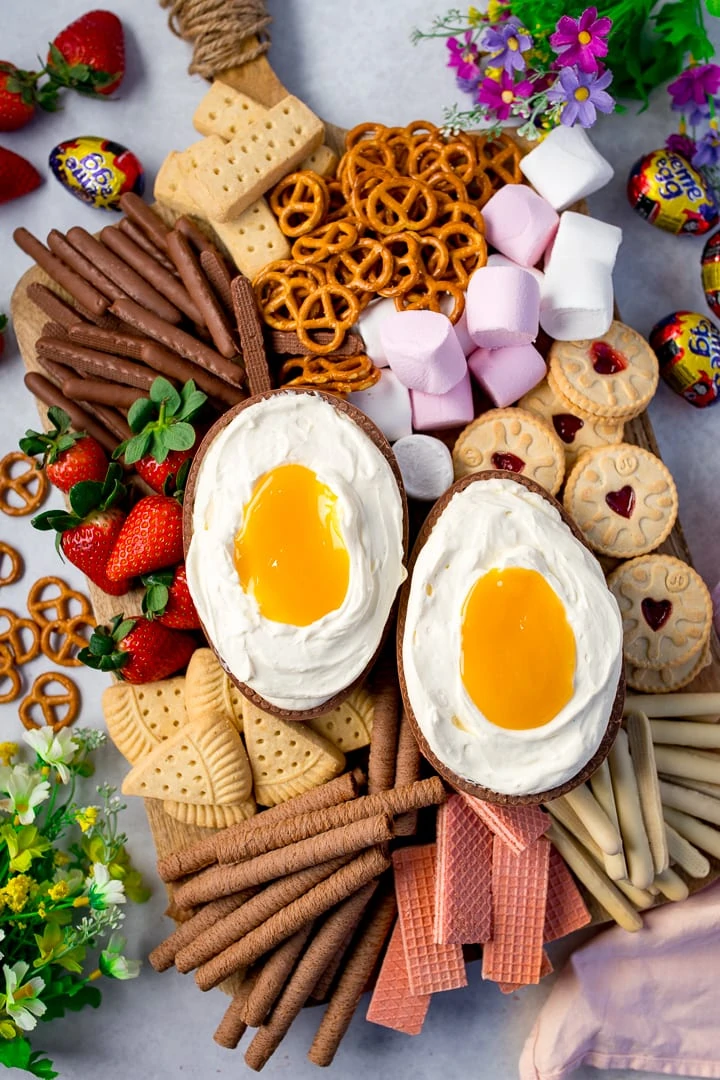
x=258, y=80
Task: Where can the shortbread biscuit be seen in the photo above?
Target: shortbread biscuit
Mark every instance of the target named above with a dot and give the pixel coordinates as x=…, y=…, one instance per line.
x=322, y=161
x=668, y=678
x=515, y=440
x=349, y=725
x=209, y=689
x=205, y=763
x=226, y=112
x=210, y=817
x=253, y=239
x=666, y=611
x=140, y=717
x=577, y=433
x=615, y=375
x=170, y=188
x=286, y=758
x=623, y=498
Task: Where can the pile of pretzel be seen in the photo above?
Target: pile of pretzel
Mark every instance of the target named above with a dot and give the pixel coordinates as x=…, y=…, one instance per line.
x=402, y=219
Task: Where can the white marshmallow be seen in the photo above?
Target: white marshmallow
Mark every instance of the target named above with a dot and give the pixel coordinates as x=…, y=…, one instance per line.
x=580, y=236
x=387, y=403
x=368, y=326
x=426, y=466
x=576, y=301
x=502, y=306
x=566, y=167
x=496, y=259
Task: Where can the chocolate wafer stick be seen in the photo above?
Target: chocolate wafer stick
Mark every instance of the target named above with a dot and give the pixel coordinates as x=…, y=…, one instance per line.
x=407, y=771
x=384, y=739
x=195, y=235
x=94, y=363
x=345, y=840
x=94, y=302
x=273, y=976
x=323, y=947
x=343, y=883
x=130, y=229
x=86, y=268
x=95, y=392
x=141, y=215
x=172, y=366
x=287, y=343
x=115, y=342
x=358, y=969
x=190, y=859
x=166, y=283
x=113, y=421
x=163, y=955
x=56, y=373
x=198, y=287
x=52, y=305
x=219, y=276
x=53, y=329
x=327, y=978
x=43, y=389
x=251, y=335
x=178, y=341
x=264, y=905
x=232, y=1027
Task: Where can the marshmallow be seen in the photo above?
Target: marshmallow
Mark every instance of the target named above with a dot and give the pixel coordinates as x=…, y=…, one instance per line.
x=519, y=223
x=506, y=374
x=423, y=350
x=566, y=167
x=577, y=299
x=426, y=465
x=433, y=412
x=387, y=403
x=496, y=259
x=580, y=236
x=503, y=304
x=447, y=303
x=368, y=326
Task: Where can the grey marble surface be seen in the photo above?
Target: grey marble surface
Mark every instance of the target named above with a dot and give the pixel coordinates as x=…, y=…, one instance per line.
x=351, y=61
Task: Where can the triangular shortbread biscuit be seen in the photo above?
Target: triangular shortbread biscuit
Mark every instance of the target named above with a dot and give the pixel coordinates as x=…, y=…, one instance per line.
x=210, y=817
x=209, y=689
x=349, y=725
x=140, y=717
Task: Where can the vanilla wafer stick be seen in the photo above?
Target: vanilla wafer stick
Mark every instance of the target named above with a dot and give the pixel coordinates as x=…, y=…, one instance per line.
x=696, y=832
x=594, y=818
x=671, y=885
x=694, y=764
x=690, y=802
x=163, y=955
x=232, y=1027
x=643, y=758
x=601, y=787
x=685, y=854
x=563, y=812
x=638, y=856
x=692, y=785
x=273, y=976
x=407, y=771
x=384, y=740
x=686, y=733
x=673, y=705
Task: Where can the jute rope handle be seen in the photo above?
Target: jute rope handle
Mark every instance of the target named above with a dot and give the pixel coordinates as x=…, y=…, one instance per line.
x=224, y=33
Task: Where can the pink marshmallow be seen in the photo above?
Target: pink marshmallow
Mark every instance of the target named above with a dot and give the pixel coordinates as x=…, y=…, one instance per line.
x=506, y=374
x=467, y=344
x=519, y=223
x=433, y=412
x=503, y=307
x=423, y=350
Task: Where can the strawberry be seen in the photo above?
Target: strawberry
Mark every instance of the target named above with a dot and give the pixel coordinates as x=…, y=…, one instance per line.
x=17, y=176
x=88, y=532
x=3, y=328
x=163, y=438
x=69, y=457
x=151, y=538
x=89, y=54
x=167, y=599
x=138, y=650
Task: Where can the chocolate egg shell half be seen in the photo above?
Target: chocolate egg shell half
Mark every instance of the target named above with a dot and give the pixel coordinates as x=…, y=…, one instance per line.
x=97, y=171
x=687, y=346
x=668, y=192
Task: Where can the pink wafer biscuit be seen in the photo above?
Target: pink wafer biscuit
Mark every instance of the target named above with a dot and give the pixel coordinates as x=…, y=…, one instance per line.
x=392, y=1004
x=520, y=886
x=546, y=968
x=517, y=826
x=431, y=967
x=463, y=887
x=566, y=909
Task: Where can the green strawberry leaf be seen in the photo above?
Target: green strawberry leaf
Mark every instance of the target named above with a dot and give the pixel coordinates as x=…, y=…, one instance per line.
x=33, y=444
x=159, y=451
x=713, y=7
x=60, y=520
x=86, y=497
x=163, y=391
x=3, y=323
x=137, y=447
x=141, y=412
x=60, y=419
x=180, y=436
x=155, y=601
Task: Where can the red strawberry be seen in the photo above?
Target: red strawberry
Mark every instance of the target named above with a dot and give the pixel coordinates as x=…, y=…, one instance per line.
x=151, y=538
x=3, y=328
x=89, y=54
x=17, y=97
x=69, y=457
x=163, y=438
x=157, y=474
x=138, y=650
x=88, y=532
x=17, y=176
x=167, y=599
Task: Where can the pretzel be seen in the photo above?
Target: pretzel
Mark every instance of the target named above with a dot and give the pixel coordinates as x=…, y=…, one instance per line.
x=433, y=255
x=61, y=638
x=50, y=704
x=300, y=202
x=8, y=674
x=499, y=158
x=400, y=144
x=362, y=187
x=421, y=129
x=427, y=295
x=38, y=604
x=11, y=636
x=447, y=182
x=29, y=486
x=401, y=203
x=368, y=130
x=405, y=251
x=281, y=287
x=367, y=267
x=15, y=572
x=466, y=246
x=449, y=210
x=331, y=307
x=336, y=375
x=364, y=155
x=337, y=205
x=328, y=239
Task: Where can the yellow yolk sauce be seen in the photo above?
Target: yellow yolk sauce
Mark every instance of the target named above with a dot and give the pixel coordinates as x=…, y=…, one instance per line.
x=517, y=649
x=289, y=552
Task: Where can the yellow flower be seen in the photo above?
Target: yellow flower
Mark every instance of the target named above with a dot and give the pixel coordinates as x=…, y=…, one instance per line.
x=81, y=901
x=61, y=858
x=87, y=817
x=7, y=1029
x=42, y=911
x=8, y=750
x=59, y=891
x=493, y=73
x=475, y=17
x=16, y=891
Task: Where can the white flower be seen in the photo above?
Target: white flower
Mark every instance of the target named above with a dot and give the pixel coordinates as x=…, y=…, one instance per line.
x=25, y=790
x=113, y=964
x=102, y=889
x=2, y=938
x=21, y=999
x=54, y=748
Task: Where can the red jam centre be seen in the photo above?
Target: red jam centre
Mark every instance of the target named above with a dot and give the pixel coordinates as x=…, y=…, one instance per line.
x=656, y=612
x=508, y=462
x=606, y=360
x=567, y=426
x=622, y=502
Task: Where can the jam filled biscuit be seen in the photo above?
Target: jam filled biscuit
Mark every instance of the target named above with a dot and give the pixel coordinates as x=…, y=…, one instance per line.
x=623, y=498
x=578, y=433
x=648, y=681
x=666, y=611
x=514, y=440
x=616, y=375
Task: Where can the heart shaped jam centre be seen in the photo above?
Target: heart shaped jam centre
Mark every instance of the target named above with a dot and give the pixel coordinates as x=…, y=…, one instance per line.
x=656, y=612
x=508, y=462
x=622, y=502
x=606, y=360
x=567, y=426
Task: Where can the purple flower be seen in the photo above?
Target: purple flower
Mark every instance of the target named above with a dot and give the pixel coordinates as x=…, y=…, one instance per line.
x=463, y=56
x=695, y=86
x=581, y=93
x=581, y=41
x=499, y=95
x=694, y=114
x=708, y=150
x=683, y=145
x=506, y=43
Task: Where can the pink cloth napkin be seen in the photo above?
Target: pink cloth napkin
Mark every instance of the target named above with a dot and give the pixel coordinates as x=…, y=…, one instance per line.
x=637, y=1001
